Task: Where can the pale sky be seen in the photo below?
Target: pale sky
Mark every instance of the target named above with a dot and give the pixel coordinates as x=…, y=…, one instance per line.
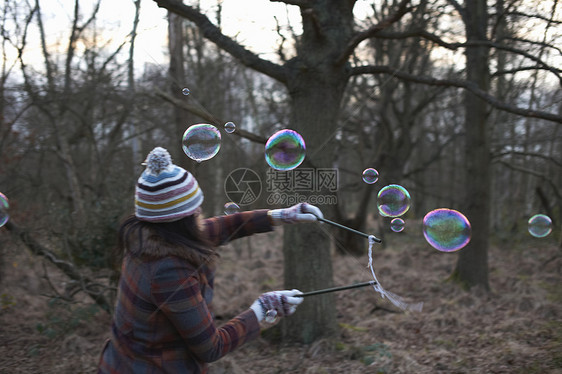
x=252, y=24
x=254, y=28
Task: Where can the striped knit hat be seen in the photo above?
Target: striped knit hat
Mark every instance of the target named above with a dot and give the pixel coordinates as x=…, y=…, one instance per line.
x=165, y=192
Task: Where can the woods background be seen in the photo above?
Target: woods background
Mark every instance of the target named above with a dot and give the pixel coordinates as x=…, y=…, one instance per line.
x=460, y=103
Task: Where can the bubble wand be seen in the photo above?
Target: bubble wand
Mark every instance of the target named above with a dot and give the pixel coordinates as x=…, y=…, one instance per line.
x=334, y=289
x=271, y=314
x=393, y=298
x=349, y=229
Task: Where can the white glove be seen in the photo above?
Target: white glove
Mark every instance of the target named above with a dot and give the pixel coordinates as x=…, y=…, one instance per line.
x=276, y=304
x=299, y=213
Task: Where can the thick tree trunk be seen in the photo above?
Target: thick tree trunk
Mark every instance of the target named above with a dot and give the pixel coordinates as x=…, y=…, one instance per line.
x=316, y=87
x=472, y=264
x=308, y=266
x=306, y=247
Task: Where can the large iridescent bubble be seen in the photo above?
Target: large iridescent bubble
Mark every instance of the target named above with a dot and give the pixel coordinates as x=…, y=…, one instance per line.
x=285, y=150
x=201, y=142
x=540, y=225
x=393, y=201
x=446, y=230
x=4, y=207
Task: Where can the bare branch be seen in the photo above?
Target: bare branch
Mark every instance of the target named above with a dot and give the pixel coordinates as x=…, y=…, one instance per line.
x=516, y=70
x=52, y=286
x=458, y=7
x=419, y=33
x=201, y=112
x=436, y=154
x=131, y=61
x=92, y=16
x=537, y=16
x=214, y=34
x=112, y=56
x=470, y=86
x=534, y=42
x=46, y=55
x=66, y=267
x=401, y=10
x=454, y=46
x=535, y=173
x=280, y=52
x=525, y=54
x=528, y=154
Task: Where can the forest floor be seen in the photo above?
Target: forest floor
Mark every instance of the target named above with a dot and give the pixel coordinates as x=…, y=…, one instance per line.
x=514, y=328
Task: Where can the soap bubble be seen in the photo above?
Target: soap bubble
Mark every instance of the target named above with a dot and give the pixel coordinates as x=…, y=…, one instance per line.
x=370, y=175
x=231, y=208
x=271, y=316
x=393, y=201
x=4, y=207
x=446, y=230
x=229, y=127
x=540, y=225
x=397, y=224
x=185, y=91
x=201, y=142
x=285, y=150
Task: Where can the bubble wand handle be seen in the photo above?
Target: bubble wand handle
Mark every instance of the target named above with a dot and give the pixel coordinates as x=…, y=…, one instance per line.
x=334, y=289
x=349, y=229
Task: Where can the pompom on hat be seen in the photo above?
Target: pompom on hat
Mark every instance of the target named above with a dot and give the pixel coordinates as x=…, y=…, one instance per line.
x=165, y=192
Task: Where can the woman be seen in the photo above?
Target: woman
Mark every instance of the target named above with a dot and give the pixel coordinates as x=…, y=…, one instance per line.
x=162, y=322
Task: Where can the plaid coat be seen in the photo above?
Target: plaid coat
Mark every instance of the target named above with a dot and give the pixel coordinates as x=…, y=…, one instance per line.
x=162, y=322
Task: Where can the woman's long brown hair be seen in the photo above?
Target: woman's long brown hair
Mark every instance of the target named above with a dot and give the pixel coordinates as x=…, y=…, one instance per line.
x=183, y=233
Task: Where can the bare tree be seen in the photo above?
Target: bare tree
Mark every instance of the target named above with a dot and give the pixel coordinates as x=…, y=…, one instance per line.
x=316, y=78
x=77, y=107
x=472, y=265
x=316, y=85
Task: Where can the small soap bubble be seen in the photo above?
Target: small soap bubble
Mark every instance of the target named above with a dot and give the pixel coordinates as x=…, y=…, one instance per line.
x=285, y=150
x=185, y=91
x=446, y=230
x=201, y=142
x=370, y=175
x=231, y=208
x=4, y=207
x=393, y=201
x=540, y=225
x=397, y=224
x=229, y=127
x=271, y=316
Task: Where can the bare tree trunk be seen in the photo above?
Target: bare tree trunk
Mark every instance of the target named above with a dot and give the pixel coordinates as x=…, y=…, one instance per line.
x=176, y=43
x=63, y=147
x=472, y=264
x=136, y=146
x=306, y=248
